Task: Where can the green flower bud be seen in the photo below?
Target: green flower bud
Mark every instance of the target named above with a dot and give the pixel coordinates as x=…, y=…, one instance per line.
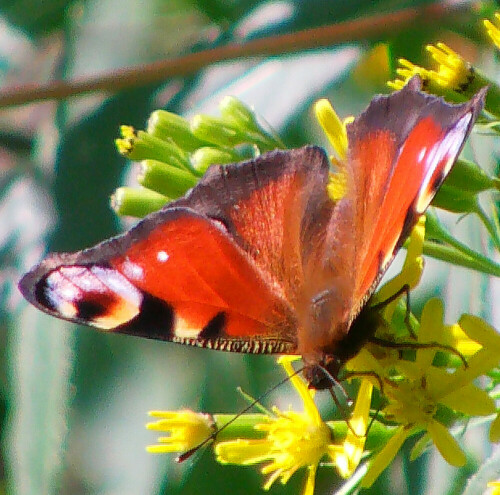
x=172, y=127
x=470, y=177
x=217, y=131
x=455, y=200
x=165, y=179
x=237, y=113
x=202, y=158
x=139, y=145
x=135, y=202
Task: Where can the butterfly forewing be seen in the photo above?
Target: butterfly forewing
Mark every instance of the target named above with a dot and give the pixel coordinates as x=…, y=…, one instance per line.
x=272, y=207
x=400, y=151
x=216, y=268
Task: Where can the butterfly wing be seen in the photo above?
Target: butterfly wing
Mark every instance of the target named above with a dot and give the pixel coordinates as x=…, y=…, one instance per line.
x=211, y=269
x=400, y=151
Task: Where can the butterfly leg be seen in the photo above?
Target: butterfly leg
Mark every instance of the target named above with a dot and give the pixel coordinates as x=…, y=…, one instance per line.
x=418, y=345
x=404, y=290
x=340, y=406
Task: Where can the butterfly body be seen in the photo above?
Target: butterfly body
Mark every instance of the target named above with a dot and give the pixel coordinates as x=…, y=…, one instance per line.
x=257, y=257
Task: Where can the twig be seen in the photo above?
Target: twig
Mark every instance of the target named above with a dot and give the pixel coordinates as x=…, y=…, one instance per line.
x=274, y=45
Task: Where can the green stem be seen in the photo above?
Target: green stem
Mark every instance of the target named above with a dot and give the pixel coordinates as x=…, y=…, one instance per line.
x=456, y=252
x=452, y=255
x=490, y=226
x=244, y=427
x=241, y=427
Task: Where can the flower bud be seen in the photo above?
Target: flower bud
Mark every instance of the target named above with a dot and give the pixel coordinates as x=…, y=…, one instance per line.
x=470, y=177
x=455, y=200
x=135, y=202
x=216, y=131
x=237, y=113
x=139, y=145
x=165, y=179
x=202, y=158
x=169, y=126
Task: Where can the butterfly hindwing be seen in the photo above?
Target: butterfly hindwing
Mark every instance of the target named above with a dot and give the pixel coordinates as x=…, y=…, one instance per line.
x=275, y=208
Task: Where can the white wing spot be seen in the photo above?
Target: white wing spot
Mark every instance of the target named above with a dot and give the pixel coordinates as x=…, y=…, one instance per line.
x=422, y=153
x=162, y=256
x=132, y=270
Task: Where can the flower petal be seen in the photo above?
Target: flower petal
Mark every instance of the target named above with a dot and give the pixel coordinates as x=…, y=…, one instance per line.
x=311, y=478
x=470, y=400
x=495, y=430
x=385, y=456
x=243, y=452
x=300, y=385
x=478, y=330
x=446, y=444
x=186, y=429
x=431, y=328
x=332, y=126
x=355, y=442
x=479, y=364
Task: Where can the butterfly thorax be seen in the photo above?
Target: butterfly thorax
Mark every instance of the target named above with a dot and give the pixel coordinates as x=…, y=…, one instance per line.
x=324, y=363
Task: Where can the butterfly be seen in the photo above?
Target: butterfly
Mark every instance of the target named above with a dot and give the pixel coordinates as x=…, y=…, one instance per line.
x=257, y=258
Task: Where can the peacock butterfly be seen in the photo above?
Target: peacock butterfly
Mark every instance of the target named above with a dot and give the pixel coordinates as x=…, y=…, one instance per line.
x=257, y=258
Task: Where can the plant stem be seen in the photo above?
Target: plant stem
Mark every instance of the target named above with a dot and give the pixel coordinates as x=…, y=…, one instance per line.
x=324, y=36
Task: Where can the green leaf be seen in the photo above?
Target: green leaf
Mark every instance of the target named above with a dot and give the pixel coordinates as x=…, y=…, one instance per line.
x=40, y=363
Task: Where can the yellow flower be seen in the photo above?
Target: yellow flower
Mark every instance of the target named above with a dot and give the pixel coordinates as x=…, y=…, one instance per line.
x=493, y=31
x=453, y=71
x=186, y=430
x=418, y=389
x=406, y=72
x=295, y=440
x=453, y=79
x=496, y=487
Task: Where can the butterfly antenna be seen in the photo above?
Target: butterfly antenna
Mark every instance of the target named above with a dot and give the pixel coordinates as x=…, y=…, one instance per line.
x=186, y=455
x=345, y=412
x=374, y=417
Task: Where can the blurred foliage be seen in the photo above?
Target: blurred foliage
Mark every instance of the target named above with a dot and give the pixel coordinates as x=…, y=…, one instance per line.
x=72, y=401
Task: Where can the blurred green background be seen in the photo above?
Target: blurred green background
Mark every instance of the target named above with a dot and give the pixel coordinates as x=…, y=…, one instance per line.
x=73, y=402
